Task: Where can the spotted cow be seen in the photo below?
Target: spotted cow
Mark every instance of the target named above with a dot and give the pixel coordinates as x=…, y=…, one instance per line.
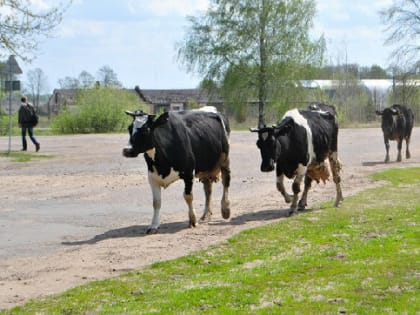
x=303, y=146
x=181, y=145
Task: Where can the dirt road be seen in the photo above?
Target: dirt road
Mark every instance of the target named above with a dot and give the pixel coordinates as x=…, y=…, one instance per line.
x=81, y=215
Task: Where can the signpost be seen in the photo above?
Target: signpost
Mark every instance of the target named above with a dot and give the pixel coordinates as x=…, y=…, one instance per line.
x=10, y=85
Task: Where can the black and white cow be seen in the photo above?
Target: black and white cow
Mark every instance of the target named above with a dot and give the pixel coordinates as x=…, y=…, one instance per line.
x=181, y=145
x=303, y=145
x=397, y=124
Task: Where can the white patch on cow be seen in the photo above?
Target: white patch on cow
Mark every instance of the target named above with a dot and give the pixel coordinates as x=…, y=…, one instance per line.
x=212, y=109
x=300, y=120
x=264, y=135
x=151, y=153
x=209, y=109
x=139, y=122
x=301, y=170
x=163, y=181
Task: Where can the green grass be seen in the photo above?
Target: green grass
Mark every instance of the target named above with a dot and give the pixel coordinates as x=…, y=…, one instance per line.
x=363, y=258
x=24, y=156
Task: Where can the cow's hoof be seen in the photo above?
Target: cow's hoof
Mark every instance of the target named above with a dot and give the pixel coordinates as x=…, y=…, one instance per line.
x=226, y=213
x=301, y=208
x=192, y=225
x=301, y=205
x=292, y=212
x=151, y=231
x=288, y=198
x=206, y=217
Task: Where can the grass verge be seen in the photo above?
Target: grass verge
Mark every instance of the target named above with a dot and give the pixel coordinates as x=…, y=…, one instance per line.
x=360, y=259
x=24, y=156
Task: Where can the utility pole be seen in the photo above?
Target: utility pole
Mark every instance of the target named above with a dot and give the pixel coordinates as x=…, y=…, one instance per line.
x=12, y=69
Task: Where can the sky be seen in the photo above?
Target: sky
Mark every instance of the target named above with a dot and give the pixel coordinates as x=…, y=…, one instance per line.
x=137, y=39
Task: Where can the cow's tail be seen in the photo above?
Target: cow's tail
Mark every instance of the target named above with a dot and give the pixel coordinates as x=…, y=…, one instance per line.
x=225, y=124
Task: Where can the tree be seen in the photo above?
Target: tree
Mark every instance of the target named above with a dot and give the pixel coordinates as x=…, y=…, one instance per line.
x=21, y=27
x=86, y=80
x=69, y=83
x=263, y=44
x=37, y=84
x=107, y=77
x=402, y=20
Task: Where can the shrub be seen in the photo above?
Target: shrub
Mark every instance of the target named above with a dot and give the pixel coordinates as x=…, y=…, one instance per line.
x=99, y=110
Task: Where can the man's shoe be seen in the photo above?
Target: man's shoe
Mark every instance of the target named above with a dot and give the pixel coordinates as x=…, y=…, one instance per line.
x=37, y=146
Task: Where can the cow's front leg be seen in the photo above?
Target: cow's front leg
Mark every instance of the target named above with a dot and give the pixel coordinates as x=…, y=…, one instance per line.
x=225, y=169
x=336, y=169
x=296, y=190
x=188, y=196
x=386, y=141
x=304, y=199
x=282, y=190
x=399, y=147
x=207, y=185
x=156, y=191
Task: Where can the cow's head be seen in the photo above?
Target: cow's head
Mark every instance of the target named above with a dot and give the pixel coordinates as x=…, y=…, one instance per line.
x=267, y=142
x=389, y=118
x=140, y=131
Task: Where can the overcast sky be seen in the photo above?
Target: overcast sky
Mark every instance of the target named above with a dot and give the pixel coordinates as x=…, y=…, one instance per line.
x=136, y=38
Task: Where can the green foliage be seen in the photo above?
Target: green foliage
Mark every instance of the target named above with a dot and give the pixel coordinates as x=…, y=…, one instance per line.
x=362, y=258
x=4, y=123
x=252, y=47
x=98, y=110
x=22, y=26
x=23, y=157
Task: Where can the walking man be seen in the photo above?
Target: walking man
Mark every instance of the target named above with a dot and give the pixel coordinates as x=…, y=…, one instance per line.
x=27, y=121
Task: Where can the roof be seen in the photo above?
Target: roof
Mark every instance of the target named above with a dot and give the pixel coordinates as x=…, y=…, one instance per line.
x=177, y=96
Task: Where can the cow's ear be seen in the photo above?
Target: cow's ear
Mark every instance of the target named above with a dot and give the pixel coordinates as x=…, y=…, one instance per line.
x=130, y=113
x=379, y=112
x=162, y=119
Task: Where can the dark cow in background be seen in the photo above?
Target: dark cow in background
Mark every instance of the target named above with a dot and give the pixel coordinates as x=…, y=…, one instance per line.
x=397, y=124
x=300, y=145
x=181, y=145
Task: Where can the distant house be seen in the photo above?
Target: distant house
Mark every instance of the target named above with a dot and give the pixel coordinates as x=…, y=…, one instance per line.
x=178, y=99
x=165, y=100
x=156, y=100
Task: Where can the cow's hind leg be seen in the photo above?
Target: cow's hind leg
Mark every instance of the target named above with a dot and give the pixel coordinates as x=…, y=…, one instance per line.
x=407, y=147
x=303, y=200
x=399, y=147
x=336, y=169
x=188, y=196
x=225, y=204
x=207, y=185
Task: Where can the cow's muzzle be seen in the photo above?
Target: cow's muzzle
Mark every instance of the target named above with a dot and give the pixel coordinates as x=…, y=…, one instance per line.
x=267, y=167
x=129, y=152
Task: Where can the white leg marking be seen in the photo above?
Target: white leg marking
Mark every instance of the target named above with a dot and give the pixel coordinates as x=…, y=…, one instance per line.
x=156, y=191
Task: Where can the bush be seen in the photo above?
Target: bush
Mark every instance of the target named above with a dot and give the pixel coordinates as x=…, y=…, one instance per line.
x=4, y=123
x=97, y=111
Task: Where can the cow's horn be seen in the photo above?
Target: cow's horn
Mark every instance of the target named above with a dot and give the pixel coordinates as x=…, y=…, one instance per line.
x=253, y=129
x=130, y=113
